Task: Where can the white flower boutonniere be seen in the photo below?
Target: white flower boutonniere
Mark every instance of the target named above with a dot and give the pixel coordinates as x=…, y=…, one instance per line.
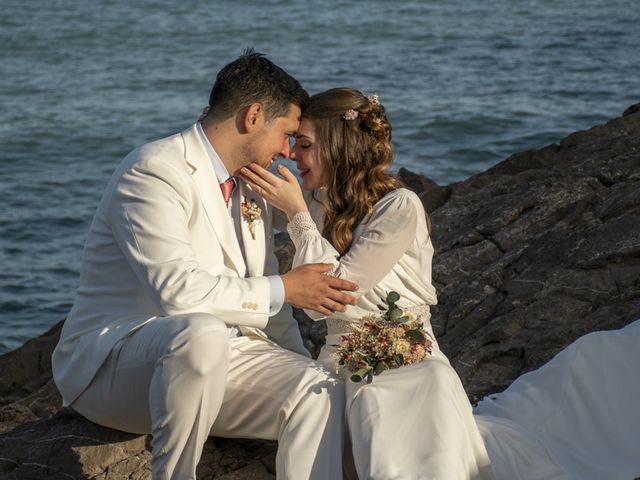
x=252, y=214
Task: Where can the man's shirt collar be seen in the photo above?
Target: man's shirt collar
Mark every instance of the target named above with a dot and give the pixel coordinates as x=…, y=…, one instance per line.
x=218, y=167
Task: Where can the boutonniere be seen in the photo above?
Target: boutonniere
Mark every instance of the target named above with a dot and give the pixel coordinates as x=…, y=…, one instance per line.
x=252, y=214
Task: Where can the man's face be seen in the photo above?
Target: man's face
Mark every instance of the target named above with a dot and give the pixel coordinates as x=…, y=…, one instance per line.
x=272, y=141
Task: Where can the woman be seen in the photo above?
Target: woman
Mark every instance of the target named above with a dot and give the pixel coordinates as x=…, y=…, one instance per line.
x=415, y=421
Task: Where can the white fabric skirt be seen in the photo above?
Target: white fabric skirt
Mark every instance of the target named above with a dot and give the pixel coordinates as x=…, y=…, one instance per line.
x=414, y=422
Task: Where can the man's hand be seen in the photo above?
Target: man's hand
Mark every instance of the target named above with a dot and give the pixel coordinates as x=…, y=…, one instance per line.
x=306, y=286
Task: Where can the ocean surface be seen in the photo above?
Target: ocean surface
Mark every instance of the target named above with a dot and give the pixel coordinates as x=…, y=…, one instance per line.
x=466, y=84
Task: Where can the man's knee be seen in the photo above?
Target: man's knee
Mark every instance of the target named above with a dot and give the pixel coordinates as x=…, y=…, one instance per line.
x=202, y=342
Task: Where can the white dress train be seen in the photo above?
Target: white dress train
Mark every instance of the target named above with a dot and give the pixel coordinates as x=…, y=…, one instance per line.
x=577, y=417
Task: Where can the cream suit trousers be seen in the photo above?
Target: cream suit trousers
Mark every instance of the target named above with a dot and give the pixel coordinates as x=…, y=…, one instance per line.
x=181, y=378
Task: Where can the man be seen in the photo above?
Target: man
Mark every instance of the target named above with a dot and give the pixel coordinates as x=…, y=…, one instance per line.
x=179, y=283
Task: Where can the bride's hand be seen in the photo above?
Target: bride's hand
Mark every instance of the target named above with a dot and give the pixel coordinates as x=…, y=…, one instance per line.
x=281, y=192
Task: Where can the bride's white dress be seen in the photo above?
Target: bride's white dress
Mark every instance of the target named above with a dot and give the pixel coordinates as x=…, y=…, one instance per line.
x=415, y=422
x=575, y=418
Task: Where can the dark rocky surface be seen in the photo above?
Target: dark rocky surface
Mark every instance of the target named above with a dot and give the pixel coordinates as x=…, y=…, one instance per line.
x=531, y=254
x=537, y=251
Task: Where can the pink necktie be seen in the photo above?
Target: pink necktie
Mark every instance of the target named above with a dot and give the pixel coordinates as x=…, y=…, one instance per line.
x=227, y=188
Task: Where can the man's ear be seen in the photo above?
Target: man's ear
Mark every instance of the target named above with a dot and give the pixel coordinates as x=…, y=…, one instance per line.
x=253, y=119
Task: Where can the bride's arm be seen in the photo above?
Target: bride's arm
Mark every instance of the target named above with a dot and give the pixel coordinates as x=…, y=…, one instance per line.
x=384, y=239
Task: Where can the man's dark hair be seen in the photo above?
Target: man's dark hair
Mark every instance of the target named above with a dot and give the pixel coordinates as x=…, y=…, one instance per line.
x=253, y=78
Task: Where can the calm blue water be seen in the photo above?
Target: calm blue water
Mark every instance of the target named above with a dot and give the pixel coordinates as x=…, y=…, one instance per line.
x=466, y=84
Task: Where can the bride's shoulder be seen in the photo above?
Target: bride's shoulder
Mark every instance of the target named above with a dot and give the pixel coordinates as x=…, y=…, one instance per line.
x=399, y=206
x=400, y=198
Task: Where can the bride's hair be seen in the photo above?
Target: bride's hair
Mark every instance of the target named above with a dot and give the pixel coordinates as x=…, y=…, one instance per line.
x=354, y=136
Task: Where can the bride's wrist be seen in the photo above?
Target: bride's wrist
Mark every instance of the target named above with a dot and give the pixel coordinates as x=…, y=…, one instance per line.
x=294, y=211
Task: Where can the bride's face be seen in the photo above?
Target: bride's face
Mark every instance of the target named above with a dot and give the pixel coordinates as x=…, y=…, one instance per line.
x=306, y=154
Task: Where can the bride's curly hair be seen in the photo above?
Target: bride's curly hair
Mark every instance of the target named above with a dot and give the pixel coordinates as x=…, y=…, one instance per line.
x=354, y=136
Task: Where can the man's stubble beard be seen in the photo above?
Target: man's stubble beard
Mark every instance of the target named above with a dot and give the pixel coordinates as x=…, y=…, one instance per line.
x=250, y=151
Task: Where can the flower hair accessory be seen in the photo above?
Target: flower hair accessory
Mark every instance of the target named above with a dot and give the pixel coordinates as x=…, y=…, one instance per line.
x=350, y=114
x=252, y=214
x=373, y=99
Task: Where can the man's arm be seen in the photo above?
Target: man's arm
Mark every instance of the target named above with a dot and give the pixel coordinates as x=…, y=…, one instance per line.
x=149, y=216
x=308, y=287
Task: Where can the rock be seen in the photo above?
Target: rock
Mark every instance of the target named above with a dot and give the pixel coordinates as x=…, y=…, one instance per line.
x=25, y=370
x=537, y=251
x=27, y=391
x=432, y=195
x=531, y=254
x=631, y=110
x=284, y=250
x=68, y=446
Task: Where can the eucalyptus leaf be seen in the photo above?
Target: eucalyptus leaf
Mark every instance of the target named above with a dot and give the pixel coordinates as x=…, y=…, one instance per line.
x=370, y=376
x=394, y=314
x=392, y=297
x=399, y=359
x=380, y=367
x=415, y=336
x=381, y=307
x=360, y=374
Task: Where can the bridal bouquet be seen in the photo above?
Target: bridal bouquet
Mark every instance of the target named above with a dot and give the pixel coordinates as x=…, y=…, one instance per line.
x=387, y=340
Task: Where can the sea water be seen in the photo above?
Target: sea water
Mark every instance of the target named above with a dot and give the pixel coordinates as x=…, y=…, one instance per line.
x=466, y=83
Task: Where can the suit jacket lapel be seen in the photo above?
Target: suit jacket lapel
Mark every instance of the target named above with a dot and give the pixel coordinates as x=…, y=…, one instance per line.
x=254, y=243
x=207, y=184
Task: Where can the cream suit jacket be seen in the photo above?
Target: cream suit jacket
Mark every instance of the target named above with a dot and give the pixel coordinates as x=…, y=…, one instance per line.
x=162, y=243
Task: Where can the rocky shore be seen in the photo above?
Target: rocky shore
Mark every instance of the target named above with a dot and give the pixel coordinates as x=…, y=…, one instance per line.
x=530, y=255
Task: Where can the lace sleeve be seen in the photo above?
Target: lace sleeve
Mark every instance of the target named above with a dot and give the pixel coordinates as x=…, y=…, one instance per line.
x=311, y=247
x=300, y=224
